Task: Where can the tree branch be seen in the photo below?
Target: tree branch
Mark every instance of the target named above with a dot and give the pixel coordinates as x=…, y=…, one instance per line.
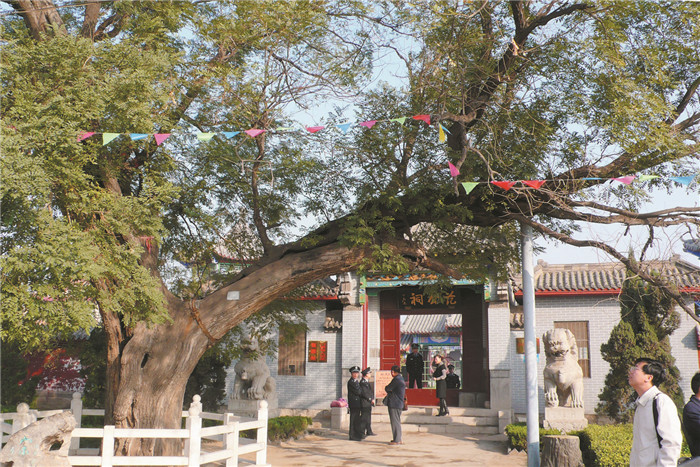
x=657, y=281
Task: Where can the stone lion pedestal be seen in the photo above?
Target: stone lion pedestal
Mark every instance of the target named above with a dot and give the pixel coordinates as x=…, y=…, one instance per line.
x=564, y=419
x=249, y=408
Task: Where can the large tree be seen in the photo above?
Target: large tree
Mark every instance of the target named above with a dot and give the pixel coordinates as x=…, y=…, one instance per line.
x=528, y=90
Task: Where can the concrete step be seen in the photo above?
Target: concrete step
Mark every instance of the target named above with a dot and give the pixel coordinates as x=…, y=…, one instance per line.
x=454, y=428
x=432, y=411
x=432, y=420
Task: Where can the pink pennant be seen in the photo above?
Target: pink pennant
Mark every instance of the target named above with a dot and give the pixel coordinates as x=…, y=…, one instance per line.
x=454, y=171
x=505, y=185
x=85, y=135
x=368, y=123
x=626, y=180
x=160, y=137
x=314, y=129
x=536, y=184
x=425, y=118
x=253, y=132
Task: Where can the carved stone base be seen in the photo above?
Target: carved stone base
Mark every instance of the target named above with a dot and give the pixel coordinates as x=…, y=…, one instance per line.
x=565, y=419
x=249, y=408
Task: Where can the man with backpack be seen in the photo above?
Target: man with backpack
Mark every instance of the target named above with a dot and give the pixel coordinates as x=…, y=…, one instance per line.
x=657, y=434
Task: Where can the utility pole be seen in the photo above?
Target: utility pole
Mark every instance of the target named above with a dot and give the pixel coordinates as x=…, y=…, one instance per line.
x=533, y=410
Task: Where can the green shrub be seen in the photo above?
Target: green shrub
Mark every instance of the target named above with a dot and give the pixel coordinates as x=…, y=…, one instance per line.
x=606, y=445
x=283, y=428
x=517, y=435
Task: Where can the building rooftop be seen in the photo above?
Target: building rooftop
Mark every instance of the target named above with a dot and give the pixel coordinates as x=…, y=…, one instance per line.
x=607, y=278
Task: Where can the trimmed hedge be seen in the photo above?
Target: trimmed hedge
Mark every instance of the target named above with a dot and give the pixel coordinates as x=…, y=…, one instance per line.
x=601, y=445
x=606, y=445
x=517, y=435
x=283, y=428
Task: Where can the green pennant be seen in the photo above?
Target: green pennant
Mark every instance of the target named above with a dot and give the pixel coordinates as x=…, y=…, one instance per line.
x=400, y=119
x=644, y=178
x=107, y=137
x=469, y=186
x=205, y=136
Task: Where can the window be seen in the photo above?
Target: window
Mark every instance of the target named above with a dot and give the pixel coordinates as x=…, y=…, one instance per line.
x=580, y=332
x=292, y=352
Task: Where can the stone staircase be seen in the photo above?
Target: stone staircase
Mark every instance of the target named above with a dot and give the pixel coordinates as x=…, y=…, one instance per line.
x=460, y=421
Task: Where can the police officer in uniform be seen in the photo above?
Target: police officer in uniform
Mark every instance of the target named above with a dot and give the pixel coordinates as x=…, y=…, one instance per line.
x=355, y=405
x=367, y=403
x=414, y=366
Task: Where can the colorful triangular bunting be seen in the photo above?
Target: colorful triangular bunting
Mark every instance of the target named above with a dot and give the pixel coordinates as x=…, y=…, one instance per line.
x=205, y=136
x=314, y=129
x=253, y=132
x=107, y=137
x=441, y=135
x=685, y=181
x=230, y=134
x=138, y=136
x=400, y=120
x=425, y=118
x=85, y=135
x=469, y=186
x=505, y=185
x=344, y=127
x=454, y=171
x=644, y=178
x=626, y=180
x=160, y=137
x=536, y=184
x=368, y=123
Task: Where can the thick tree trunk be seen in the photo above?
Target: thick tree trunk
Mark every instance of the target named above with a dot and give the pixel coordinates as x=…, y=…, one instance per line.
x=155, y=365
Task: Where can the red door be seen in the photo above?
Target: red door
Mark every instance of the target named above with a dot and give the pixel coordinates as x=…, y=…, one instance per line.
x=390, y=335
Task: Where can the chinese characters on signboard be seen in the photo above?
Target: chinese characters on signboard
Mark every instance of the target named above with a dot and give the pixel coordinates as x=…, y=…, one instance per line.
x=416, y=299
x=318, y=351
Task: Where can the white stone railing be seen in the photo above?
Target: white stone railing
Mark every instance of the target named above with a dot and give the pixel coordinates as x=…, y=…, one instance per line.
x=228, y=433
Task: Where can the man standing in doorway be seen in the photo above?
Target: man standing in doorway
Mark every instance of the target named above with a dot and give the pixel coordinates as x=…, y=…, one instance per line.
x=657, y=430
x=367, y=403
x=414, y=367
x=452, y=378
x=395, y=392
x=355, y=405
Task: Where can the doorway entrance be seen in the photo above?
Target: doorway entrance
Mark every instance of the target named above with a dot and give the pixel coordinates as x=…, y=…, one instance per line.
x=453, y=329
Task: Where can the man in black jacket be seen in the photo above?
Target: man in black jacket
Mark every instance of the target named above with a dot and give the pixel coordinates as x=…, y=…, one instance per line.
x=414, y=367
x=356, y=431
x=395, y=392
x=367, y=403
x=452, y=378
x=691, y=417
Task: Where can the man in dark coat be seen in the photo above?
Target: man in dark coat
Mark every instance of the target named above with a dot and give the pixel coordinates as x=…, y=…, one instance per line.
x=691, y=417
x=414, y=367
x=355, y=405
x=367, y=403
x=395, y=392
x=452, y=378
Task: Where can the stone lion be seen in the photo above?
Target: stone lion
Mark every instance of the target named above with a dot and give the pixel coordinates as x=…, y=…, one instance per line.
x=563, y=377
x=253, y=380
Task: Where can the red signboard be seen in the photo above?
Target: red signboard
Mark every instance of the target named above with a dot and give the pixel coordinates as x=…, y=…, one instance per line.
x=318, y=351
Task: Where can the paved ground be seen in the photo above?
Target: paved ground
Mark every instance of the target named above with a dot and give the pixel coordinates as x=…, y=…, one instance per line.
x=332, y=448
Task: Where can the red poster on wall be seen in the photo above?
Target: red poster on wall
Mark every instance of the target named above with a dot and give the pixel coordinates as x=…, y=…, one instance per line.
x=318, y=351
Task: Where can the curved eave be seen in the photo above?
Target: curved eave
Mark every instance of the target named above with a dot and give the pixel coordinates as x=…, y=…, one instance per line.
x=562, y=293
